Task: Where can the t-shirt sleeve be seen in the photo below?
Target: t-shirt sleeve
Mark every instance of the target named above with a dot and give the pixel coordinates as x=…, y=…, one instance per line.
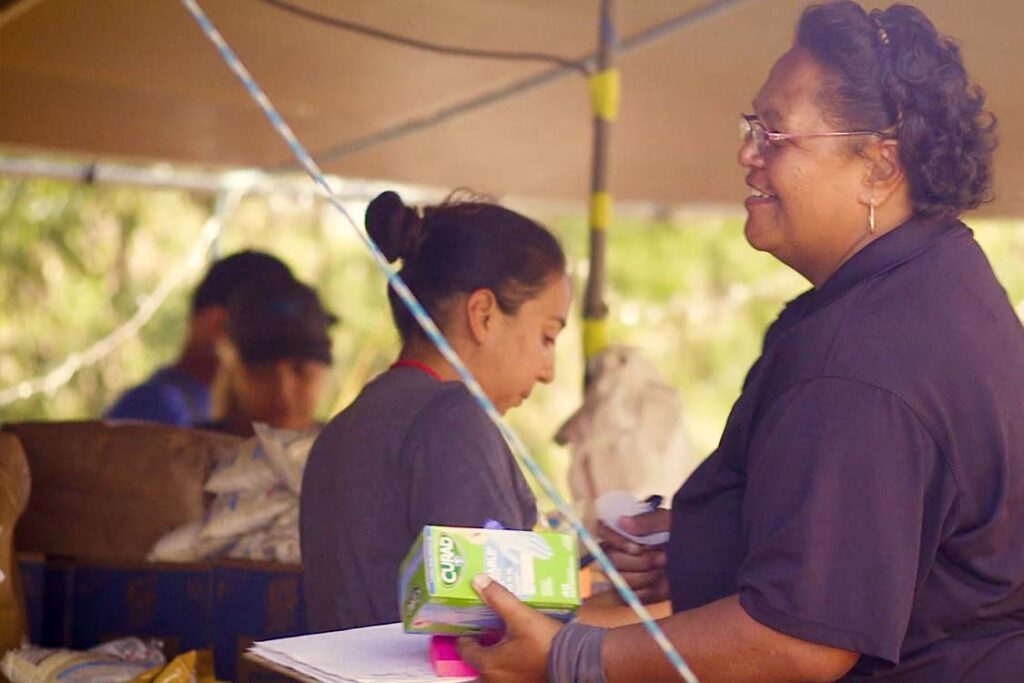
x=151, y=402
x=462, y=471
x=846, y=493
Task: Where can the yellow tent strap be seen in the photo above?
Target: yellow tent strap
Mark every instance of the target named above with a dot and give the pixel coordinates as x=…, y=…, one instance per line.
x=595, y=336
x=600, y=210
x=604, y=94
x=595, y=330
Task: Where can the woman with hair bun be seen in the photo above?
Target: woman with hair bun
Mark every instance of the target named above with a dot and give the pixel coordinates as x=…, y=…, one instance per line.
x=861, y=518
x=414, y=448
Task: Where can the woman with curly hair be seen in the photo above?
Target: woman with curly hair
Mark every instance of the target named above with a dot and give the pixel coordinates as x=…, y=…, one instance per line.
x=861, y=517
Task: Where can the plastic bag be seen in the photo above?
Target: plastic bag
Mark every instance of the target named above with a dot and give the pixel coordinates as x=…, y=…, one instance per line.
x=234, y=514
x=256, y=511
x=194, y=666
x=178, y=545
x=628, y=435
x=118, y=661
x=186, y=544
x=277, y=543
x=133, y=650
x=249, y=470
x=286, y=452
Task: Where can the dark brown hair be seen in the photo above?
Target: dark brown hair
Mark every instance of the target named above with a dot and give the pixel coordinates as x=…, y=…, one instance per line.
x=458, y=247
x=227, y=274
x=284, y=320
x=891, y=69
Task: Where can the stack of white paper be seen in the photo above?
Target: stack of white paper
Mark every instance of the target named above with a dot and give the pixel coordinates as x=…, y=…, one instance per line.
x=376, y=654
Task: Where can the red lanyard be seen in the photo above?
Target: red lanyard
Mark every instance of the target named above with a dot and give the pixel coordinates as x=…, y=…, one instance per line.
x=418, y=365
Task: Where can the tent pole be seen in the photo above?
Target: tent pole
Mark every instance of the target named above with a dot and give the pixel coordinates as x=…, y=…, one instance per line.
x=604, y=96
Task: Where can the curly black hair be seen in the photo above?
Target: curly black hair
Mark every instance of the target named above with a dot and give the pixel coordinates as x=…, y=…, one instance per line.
x=891, y=69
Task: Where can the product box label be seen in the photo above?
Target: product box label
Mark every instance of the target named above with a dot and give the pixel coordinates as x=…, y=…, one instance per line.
x=435, y=589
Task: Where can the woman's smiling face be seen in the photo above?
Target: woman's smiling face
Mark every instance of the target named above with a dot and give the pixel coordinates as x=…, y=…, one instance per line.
x=804, y=205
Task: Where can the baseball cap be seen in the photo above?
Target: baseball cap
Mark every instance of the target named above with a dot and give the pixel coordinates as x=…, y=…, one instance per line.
x=270, y=321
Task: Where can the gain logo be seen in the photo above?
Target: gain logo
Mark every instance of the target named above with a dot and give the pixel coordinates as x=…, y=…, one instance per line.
x=449, y=559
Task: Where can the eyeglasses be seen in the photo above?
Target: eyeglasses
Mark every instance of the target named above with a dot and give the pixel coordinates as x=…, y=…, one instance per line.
x=752, y=128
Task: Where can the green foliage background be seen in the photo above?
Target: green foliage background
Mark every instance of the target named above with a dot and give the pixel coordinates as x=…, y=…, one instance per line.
x=77, y=259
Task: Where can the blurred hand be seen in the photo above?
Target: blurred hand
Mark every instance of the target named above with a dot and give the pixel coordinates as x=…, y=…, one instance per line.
x=522, y=654
x=642, y=567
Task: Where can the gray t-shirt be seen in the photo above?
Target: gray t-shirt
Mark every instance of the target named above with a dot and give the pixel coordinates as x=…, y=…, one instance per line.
x=409, y=451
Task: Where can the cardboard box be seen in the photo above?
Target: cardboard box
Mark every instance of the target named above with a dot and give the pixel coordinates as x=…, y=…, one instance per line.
x=32, y=573
x=170, y=602
x=435, y=590
x=109, y=491
x=253, y=601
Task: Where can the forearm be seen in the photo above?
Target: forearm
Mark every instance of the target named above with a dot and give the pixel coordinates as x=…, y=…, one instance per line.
x=720, y=642
x=607, y=610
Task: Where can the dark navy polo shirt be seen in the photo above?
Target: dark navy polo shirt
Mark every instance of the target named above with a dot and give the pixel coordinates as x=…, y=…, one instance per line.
x=868, y=491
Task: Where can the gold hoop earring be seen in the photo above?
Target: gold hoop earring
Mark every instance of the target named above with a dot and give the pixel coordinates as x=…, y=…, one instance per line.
x=871, y=216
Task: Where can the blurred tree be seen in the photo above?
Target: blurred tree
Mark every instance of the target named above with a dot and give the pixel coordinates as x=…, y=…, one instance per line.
x=76, y=259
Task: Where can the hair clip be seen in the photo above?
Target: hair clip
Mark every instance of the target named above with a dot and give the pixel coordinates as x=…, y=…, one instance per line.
x=883, y=37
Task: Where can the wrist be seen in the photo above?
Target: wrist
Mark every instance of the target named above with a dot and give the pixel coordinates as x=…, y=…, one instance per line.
x=575, y=655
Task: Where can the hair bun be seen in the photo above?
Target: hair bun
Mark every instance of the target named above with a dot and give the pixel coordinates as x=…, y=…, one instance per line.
x=395, y=228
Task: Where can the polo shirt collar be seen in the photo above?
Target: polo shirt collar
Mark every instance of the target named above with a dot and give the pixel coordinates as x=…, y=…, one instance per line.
x=896, y=247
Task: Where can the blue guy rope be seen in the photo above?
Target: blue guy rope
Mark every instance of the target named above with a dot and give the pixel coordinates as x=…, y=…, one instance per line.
x=437, y=338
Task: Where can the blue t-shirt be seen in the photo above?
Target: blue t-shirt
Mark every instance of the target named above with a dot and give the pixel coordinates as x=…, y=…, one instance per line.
x=169, y=396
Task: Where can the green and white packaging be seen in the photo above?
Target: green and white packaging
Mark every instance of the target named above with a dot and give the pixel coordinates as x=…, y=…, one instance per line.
x=434, y=584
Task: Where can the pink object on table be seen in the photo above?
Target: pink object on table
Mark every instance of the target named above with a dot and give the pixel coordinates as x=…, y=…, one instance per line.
x=445, y=658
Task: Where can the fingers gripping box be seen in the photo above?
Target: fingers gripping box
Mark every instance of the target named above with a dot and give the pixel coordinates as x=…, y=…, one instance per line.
x=434, y=585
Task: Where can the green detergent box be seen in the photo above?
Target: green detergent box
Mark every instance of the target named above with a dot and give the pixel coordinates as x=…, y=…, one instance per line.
x=434, y=585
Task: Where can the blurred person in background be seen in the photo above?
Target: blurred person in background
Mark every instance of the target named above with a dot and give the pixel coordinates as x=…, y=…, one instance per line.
x=273, y=358
x=179, y=394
